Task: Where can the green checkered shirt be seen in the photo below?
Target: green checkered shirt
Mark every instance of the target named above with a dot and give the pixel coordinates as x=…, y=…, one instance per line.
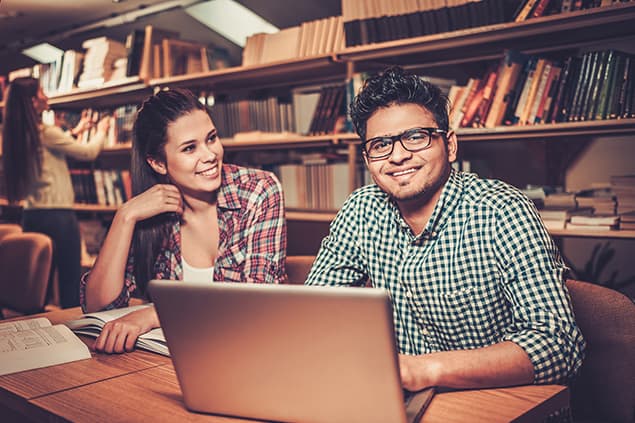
x=484, y=270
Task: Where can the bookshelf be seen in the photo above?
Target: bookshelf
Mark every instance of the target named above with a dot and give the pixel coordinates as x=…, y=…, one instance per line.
x=547, y=33
x=131, y=89
x=565, y=33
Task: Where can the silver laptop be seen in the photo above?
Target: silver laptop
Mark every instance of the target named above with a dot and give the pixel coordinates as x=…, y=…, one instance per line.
x=283, y=352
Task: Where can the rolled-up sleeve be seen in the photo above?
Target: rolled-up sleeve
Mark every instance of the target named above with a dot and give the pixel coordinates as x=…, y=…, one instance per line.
x=122, y=299
x=534, y=283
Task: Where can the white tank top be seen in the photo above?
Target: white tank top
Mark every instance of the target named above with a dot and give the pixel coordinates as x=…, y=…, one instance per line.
x=197, y=274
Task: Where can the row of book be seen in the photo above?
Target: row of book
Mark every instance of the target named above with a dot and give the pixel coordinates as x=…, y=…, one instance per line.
x=528, y=9
x=374, y=21
x=527, y=90
x=308, y=111
x=315, y=184
x=109, y=187
x=121, y=122
x=321, y=36
x=147, y=53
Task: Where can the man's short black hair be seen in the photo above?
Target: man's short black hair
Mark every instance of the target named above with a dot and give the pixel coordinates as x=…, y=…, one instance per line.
x=396, y=86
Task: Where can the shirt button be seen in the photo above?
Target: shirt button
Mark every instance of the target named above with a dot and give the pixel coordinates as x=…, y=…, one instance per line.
x=424, y=331
x=408, y=294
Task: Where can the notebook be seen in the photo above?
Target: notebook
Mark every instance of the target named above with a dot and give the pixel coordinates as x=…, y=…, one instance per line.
x=284, y=353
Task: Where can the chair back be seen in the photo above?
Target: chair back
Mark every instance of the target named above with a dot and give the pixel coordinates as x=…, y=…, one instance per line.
x=605, y=387
x=298, y=268
x=9, y=228
x=25, y=260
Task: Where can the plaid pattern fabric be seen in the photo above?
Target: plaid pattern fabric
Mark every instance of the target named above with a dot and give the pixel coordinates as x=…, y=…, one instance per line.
x=252, y=238
x=484, y=270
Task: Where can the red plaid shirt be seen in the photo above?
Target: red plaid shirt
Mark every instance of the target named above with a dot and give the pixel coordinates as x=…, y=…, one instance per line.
x=252, y=238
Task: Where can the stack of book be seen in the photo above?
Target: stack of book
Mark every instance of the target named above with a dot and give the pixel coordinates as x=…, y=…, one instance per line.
x=559, y=217
x=627, y=221
x=624, y=188
x=601, y=200
x=594, y=222
x=99, y=60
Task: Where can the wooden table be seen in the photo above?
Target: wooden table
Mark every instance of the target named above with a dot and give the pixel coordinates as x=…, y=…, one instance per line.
x=142, y=386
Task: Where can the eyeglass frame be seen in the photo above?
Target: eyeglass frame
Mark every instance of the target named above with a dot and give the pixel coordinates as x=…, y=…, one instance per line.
x=400, y=137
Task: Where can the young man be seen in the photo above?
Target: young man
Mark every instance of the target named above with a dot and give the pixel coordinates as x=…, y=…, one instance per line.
x=476, y=281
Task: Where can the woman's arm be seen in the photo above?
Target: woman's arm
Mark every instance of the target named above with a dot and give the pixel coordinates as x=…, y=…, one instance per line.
x=106, y=280
x=267, y=236
x=58, y=140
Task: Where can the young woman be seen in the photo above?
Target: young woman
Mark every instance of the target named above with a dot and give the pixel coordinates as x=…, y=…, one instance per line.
x=35, y=170
x=192, y=217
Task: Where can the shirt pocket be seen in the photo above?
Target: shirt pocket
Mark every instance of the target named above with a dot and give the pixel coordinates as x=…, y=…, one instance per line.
x=446, y=318
x=232, y=264
x=467, y=318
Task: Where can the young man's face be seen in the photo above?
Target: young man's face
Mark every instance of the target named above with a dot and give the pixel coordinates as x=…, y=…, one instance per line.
x=406, y=175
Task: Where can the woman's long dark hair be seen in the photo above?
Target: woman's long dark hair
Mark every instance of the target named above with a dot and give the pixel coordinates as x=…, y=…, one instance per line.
x=21, y=144
x=149, y=139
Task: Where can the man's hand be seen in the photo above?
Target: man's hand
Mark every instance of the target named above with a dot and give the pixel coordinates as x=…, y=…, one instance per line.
x=417, y=372
x=120, y=335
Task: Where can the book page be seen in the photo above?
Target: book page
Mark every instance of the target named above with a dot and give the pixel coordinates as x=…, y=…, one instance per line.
x=39, y=347
x=91, y=325
x=19, y=325
x=93, y=322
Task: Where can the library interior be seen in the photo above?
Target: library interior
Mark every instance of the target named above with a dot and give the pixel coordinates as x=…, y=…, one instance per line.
x=541, y=96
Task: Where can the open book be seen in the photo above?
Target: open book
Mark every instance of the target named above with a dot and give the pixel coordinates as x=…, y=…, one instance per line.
x=91, y=324
x=34, y=343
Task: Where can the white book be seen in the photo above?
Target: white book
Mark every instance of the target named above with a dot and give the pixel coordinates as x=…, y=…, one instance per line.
x=35, y=343
x=91, y=324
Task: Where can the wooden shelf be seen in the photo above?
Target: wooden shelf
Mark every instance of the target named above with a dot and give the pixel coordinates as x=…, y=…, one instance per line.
x=296, y=71
x=551, y=130
x=310, y=216
x=548, y=33
x=98, y=208
x=580, y=233
x=272, y=141
x=129, y=90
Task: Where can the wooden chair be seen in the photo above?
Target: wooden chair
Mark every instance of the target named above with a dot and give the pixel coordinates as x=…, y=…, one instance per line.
x=9, y=228
x=25, y=263
x=605, y=388
x=298, y=268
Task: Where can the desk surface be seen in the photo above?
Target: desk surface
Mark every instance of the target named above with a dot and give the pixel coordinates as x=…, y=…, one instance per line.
x=142, y=386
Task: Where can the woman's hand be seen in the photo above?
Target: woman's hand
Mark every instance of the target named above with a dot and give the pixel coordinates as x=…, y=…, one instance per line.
x=120, y=335
x=104, y=124
x=161, y=198
x=84, y=124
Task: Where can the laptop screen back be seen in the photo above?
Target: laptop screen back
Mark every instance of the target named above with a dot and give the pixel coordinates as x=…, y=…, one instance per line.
x=282, y=352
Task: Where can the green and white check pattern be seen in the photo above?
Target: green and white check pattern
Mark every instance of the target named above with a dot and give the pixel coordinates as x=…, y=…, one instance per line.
x=484, y=270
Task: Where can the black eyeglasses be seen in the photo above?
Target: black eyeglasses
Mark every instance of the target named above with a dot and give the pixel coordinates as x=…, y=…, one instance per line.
x=413, y=140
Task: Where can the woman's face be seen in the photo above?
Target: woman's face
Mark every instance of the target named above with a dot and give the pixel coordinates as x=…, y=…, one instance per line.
x=40, y=101
x=194, y=154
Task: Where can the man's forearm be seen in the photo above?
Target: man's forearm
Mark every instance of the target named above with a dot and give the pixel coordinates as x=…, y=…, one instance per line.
x=503, y=364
